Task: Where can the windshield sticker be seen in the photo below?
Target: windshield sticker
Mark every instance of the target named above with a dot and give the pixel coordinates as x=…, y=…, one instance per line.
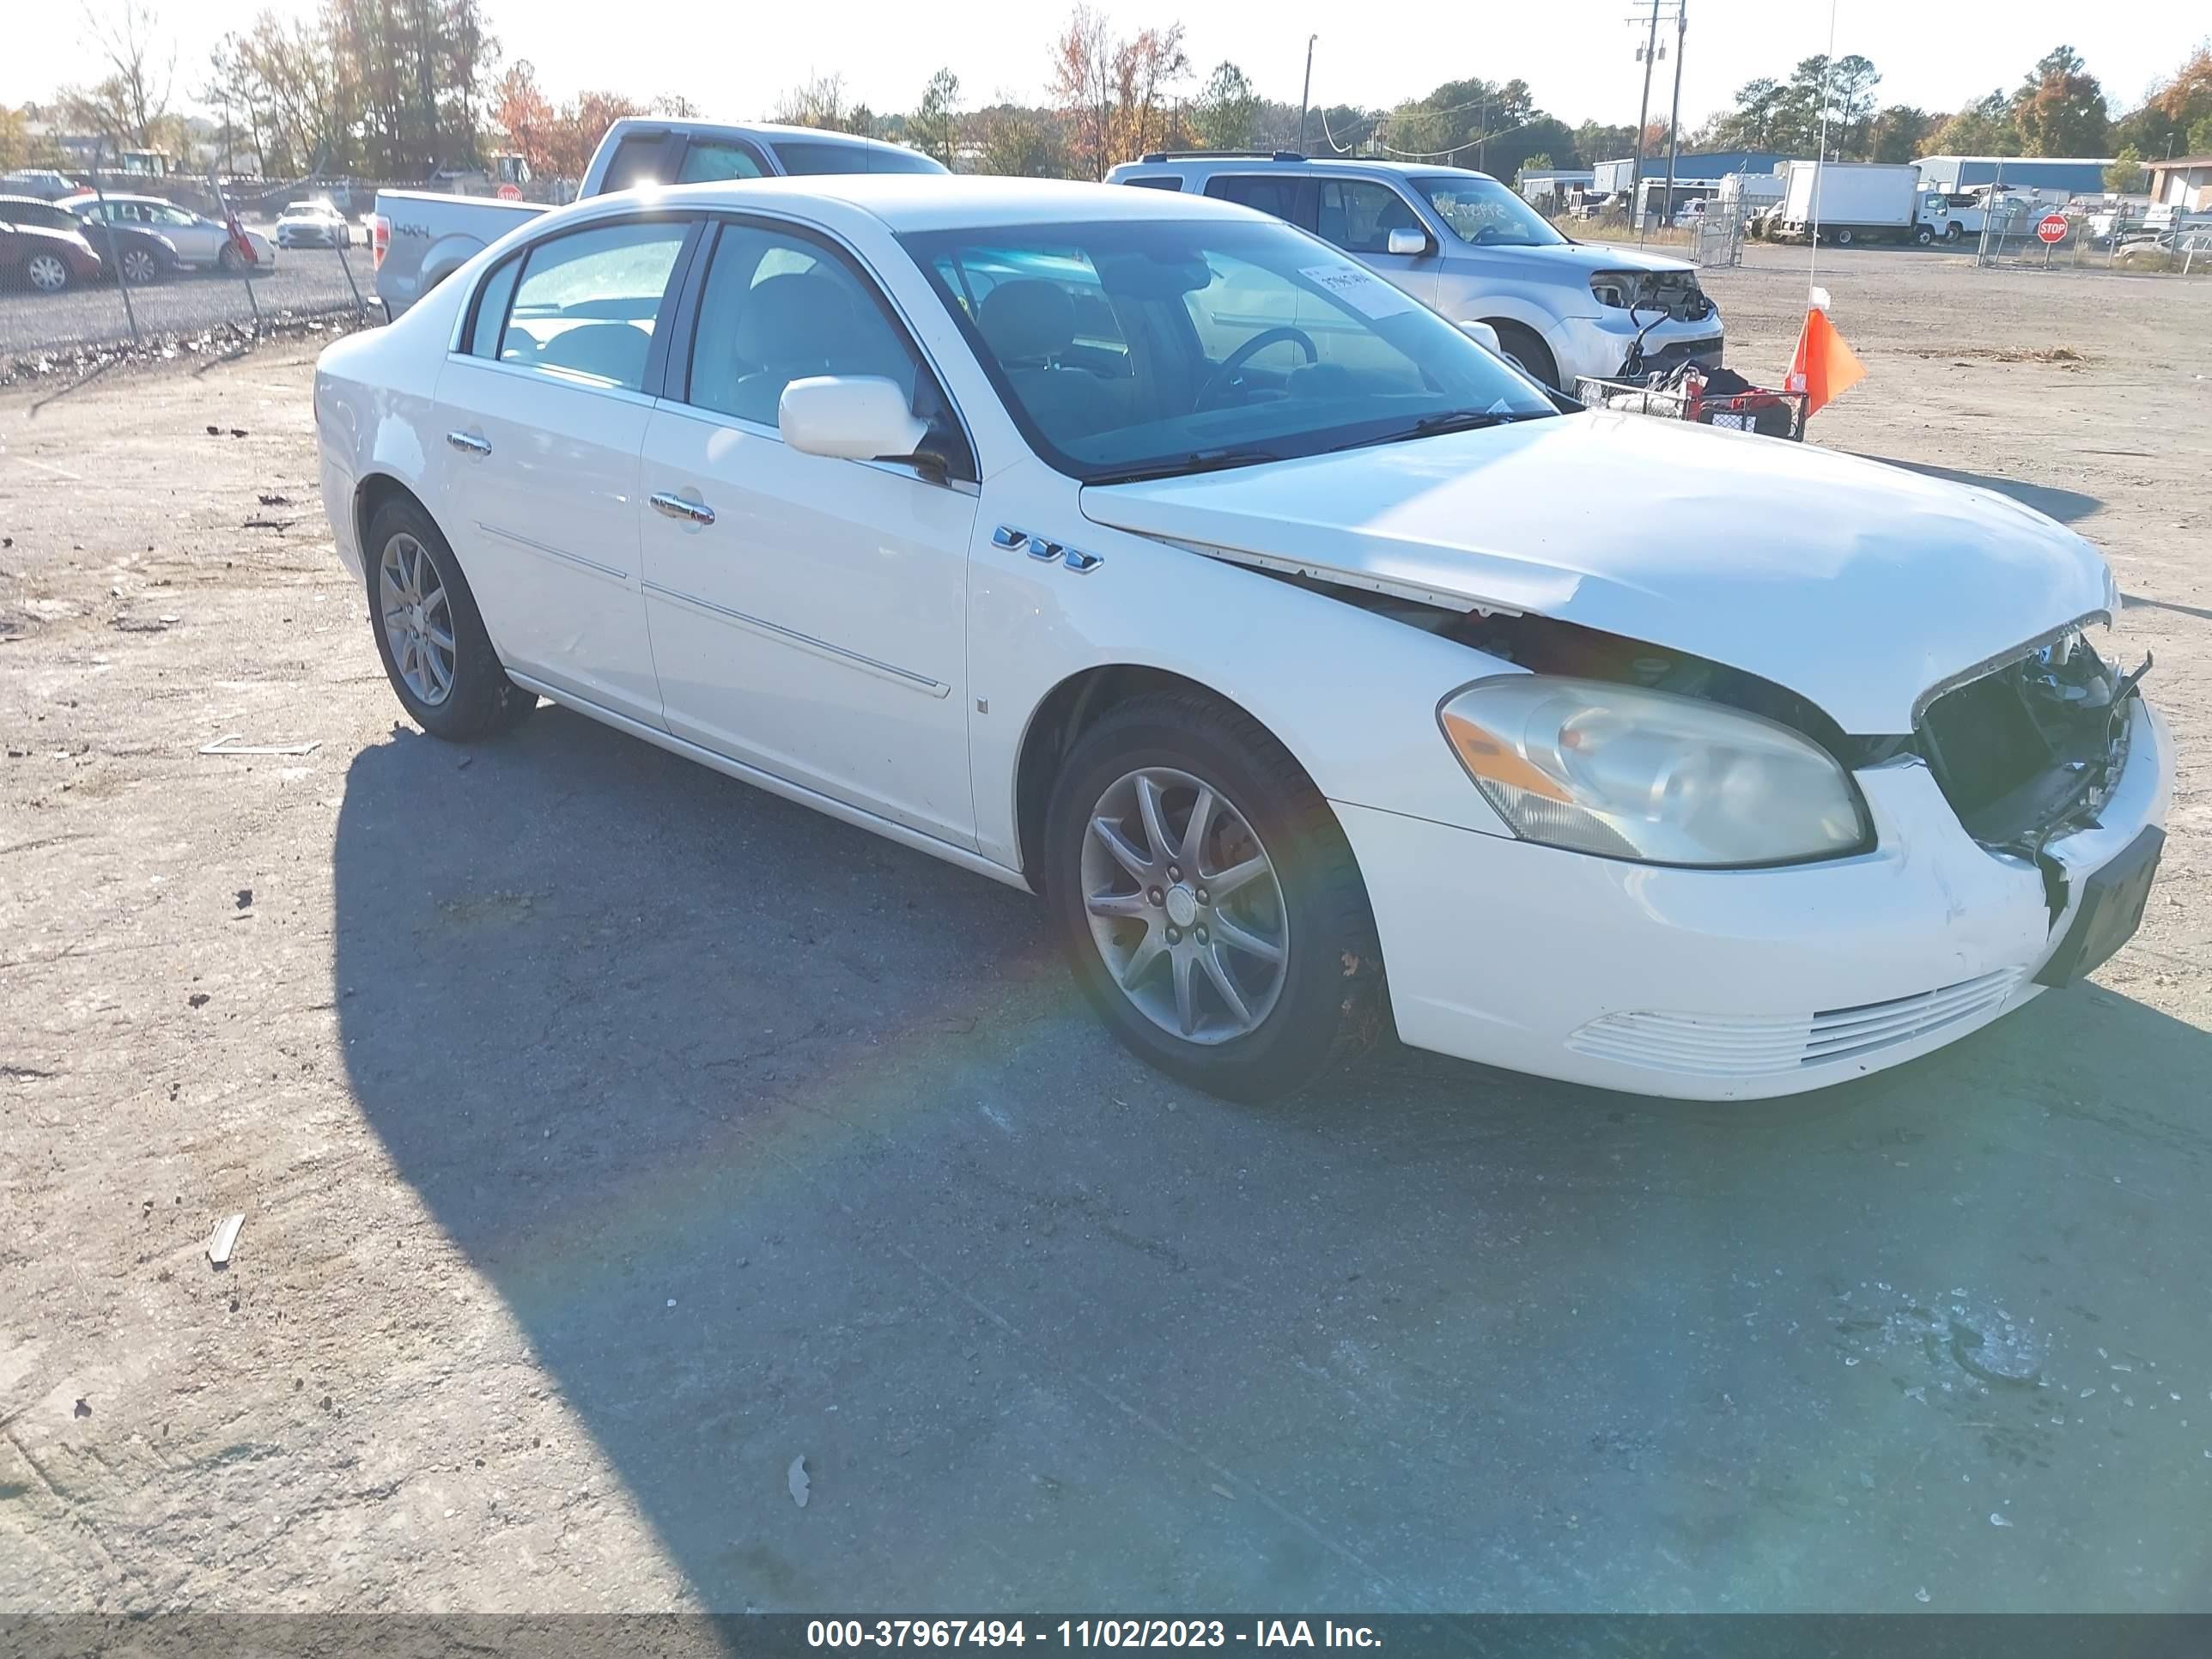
x=1365, y=292
x=1501, y=407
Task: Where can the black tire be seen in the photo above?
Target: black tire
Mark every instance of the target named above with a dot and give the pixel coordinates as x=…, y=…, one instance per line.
x=1954, y=232
x=1330, y=1004
x=1924, y=235
x=482, y=702
x=1526, y=349
x=227, y=259
x=139, y=265
x=1843, y=237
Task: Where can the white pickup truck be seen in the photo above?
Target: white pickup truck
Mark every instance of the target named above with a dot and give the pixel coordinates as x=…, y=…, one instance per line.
x=421, y=237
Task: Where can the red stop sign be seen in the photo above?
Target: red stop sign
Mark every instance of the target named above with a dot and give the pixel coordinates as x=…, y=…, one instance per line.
x=2052, y=227
x=509, y=193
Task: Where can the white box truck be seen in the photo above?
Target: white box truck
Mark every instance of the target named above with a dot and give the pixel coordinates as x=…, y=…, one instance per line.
x=1851, y=201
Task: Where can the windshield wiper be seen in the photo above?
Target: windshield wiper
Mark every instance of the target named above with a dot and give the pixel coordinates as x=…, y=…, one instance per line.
x=1452, y=420
x=1201, y=460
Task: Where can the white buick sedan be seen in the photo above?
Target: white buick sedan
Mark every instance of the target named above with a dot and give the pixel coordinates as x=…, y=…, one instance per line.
x=1311, y=664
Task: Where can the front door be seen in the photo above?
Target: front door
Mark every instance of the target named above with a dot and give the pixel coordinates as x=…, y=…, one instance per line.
x=807, y=614
x=540, y=420
x=1358, y=215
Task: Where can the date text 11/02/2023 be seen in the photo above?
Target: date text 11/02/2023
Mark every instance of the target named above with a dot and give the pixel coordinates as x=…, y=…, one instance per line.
x=1087, y=1633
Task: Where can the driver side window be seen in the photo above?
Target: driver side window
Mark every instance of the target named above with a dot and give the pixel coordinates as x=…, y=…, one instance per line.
x=1358, y=217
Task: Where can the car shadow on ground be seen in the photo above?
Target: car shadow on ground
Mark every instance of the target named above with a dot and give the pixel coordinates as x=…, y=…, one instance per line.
x=2065, y=505
x=778, y=1140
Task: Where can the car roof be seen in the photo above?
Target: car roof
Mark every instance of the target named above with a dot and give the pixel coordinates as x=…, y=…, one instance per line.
x=771, y=133
x=118, y=196
x=943, y=201
x=1345, y=166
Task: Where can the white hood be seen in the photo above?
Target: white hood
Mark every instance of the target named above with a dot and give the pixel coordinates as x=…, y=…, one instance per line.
x=1856, y=585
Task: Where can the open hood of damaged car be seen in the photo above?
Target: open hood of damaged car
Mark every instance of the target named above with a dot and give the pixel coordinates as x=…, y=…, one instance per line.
x=1857, y=584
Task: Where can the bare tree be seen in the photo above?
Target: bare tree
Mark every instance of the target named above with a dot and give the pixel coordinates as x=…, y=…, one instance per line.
x=135, y=89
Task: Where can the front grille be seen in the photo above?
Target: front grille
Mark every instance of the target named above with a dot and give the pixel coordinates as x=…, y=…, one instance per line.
x=1747, y=1046
x=2022, y=752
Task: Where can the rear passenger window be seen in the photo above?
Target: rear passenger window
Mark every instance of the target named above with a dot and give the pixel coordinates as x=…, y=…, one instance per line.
x=587, y=303
x=1155, y=181
x=637, y=162
x=491, y=319
x=1270, y=192
x=710, y=158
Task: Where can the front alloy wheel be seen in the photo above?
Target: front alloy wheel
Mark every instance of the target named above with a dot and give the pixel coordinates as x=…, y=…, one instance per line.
x=49, y=272
x=1206, y=898
x=1186, y=910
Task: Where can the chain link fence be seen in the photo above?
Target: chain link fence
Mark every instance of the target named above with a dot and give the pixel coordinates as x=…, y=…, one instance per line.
x=140, y=304
x=2151, y=241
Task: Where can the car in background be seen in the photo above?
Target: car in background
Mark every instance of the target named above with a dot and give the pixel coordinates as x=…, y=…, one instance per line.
x=43, y=183
x=421, y=237
x=313, y=223
x=43, y=257
x=139, y=253
x=1145, y=552
x=200, y=243
x=1463, y=244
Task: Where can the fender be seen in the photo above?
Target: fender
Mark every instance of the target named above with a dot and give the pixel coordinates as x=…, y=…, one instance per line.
x=1361, y=720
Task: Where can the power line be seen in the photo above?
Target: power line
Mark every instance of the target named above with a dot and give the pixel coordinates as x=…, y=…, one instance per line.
x=1421, y=155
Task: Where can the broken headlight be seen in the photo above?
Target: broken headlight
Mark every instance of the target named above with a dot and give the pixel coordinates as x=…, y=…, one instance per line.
x=1630, y=774
x=1617, y=290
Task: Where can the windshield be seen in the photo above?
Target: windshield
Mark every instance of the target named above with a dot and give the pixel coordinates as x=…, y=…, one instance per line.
x=1134, y=348
x=1484, y=212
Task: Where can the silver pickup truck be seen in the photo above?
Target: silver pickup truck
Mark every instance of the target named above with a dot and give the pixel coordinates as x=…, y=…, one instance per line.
x=421, y=237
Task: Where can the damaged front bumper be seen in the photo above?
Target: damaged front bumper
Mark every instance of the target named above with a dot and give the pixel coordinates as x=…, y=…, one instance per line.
x=1713, y=984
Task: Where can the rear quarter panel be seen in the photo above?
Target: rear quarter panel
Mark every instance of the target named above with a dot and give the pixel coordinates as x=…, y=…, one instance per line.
x=375, y=412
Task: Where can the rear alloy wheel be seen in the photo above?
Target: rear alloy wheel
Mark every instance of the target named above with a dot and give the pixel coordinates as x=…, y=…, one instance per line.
x=432, y=641
x=49, y=273
x=139, y=265
x=1207, y=900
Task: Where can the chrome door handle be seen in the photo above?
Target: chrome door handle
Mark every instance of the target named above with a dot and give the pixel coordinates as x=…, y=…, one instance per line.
x=469, y=441
x=680, y=507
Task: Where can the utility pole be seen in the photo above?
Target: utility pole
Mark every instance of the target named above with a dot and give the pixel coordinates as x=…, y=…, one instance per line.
x=1642, y=115
x=1675, y=116
x=1306, y=98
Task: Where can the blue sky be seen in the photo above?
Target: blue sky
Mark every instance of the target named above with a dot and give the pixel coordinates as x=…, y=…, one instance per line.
x=1578, y=55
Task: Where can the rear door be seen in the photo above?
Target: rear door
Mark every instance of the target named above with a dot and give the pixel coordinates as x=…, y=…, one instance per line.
x=542, y=412
x=808, y=614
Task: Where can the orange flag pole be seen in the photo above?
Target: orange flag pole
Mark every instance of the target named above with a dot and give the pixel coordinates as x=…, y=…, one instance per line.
x=1824, y=368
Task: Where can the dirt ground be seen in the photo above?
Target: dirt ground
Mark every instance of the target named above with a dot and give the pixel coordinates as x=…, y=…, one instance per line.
x=610, y=1136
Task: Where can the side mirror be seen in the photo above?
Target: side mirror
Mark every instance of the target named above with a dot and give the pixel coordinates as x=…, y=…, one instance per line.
x=854, y=418
x=1408, y=240
x=1484, y=335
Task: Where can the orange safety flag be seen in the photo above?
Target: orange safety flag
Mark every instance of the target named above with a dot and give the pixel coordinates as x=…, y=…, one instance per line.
x=1824, y=368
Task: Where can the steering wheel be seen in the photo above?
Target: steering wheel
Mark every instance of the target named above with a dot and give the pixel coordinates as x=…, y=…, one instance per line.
x=1234, y=363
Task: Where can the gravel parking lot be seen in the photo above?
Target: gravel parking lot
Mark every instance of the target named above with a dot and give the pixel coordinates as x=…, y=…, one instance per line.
x=609, y=1135
x=306, y=282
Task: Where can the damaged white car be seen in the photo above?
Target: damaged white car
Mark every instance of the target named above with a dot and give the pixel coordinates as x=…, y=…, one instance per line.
x=1312, y=664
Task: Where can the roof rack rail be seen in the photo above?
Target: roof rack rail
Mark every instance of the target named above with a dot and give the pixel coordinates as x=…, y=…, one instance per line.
x=1159, y=155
